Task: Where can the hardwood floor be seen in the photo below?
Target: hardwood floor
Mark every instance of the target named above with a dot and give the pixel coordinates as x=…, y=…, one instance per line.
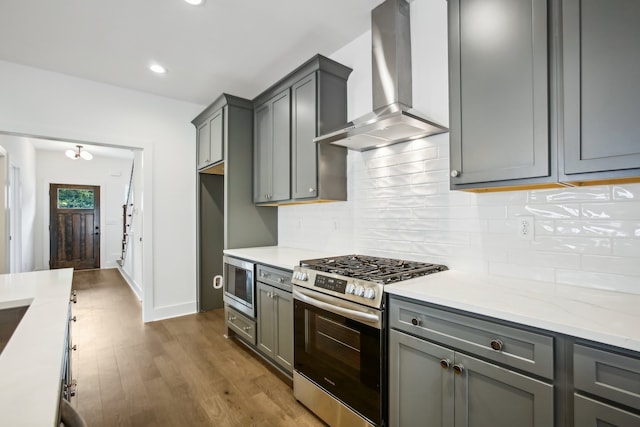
x=175, y=372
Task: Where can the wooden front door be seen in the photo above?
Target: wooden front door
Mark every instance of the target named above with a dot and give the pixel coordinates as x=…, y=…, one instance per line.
x=74, y=226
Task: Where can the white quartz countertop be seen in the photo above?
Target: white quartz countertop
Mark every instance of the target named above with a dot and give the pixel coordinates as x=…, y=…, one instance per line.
x=277, y=256
x=31, y=362
x=593, y=314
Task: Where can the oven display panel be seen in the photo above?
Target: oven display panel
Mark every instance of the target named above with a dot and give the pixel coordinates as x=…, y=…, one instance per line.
x=336, y=285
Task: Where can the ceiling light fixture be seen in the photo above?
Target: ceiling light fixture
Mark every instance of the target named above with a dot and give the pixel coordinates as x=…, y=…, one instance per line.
x=157, y=68
x=195, y=2
x=73, y=154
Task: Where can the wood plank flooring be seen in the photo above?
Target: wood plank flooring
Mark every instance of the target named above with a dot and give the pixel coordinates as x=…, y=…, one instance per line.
x=175, y=372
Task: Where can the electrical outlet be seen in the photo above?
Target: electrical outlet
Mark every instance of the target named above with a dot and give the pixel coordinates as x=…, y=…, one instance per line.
x=525, y=227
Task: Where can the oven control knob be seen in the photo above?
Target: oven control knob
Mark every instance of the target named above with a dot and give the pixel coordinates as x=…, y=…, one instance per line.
x=370, y=293
x=350, y=289
x=296, y=274
x=359, y=291
x=304, y=277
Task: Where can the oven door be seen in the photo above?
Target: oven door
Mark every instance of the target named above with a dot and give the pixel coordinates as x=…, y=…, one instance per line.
x=338, y=346
x=238, y=285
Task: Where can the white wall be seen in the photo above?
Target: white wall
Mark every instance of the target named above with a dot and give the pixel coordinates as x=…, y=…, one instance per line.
x=42, y=103
x=21, y=153
x=400, y=204
x=110, y=174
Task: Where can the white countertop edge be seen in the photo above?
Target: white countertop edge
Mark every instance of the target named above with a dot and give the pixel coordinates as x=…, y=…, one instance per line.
x=31, y=363
x=282, y=257
x=596, y=315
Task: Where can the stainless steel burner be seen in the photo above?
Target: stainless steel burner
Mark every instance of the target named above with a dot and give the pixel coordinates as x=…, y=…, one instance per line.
x=373, y=269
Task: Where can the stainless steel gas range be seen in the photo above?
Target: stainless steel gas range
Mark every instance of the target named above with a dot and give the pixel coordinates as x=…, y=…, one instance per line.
x=339, y=335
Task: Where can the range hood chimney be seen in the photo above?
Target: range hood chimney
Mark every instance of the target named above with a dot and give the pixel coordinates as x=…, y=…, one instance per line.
x=392, y=119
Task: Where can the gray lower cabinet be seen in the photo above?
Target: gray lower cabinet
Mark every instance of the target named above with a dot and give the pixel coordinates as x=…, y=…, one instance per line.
x=275, y=316
x=607, y=387
x=601, y=59
x=433, y=382
x=273, y=156
x=289, y=167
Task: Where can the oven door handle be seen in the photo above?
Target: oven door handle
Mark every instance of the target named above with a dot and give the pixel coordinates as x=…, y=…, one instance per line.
x=349, y=313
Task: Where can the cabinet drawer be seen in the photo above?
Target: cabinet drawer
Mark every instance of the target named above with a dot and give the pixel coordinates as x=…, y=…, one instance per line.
x=609, y=375
x=588, y=412
x=243, y=326
x=527, y=351
x=274, y=277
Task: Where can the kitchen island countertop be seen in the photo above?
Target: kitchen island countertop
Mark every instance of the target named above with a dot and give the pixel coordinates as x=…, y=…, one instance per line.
x=31, y=362
x=593, y=314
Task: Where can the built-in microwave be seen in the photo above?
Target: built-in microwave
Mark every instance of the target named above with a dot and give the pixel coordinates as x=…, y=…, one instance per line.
x=239, y=285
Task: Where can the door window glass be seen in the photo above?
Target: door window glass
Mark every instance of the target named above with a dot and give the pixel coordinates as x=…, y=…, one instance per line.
x=75, y=198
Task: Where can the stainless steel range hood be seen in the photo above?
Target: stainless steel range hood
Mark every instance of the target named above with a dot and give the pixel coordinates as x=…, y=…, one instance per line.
x=392, y=120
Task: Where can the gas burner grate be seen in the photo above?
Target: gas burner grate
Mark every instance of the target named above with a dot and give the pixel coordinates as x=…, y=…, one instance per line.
x=374, y=269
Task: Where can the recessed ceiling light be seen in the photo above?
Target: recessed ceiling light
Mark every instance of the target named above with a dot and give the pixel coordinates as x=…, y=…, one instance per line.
x=195, y=2
x=157, y=68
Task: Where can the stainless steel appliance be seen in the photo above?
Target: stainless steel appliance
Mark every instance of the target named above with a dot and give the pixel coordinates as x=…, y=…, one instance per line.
x=339, y=354
x=239, y=286
x=393, y=119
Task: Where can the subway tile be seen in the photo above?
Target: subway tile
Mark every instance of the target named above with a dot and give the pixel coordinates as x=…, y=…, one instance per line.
x=403, y=158
x=626, y=192
x=550, y=211
x=617, y=211
x=609, y=281
x=604, y=228
x=581, y=245
x=544, y=259
x=619, y=265
x=627, y=247
x=563, y=195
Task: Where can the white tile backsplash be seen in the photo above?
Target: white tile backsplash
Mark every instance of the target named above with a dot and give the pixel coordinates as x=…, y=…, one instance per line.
x=400, y=206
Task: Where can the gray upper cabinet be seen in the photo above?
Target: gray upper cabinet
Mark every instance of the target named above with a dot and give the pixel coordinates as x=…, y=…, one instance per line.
x=210, y=140
x=498, y=91
x=545, y=96
x=227, y=216
x=309, y=101
x=303, y=124
x=272, y=148
x=601, y=59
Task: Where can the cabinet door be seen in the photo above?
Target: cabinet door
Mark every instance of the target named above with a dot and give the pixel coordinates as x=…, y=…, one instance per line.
x=204, y=147
x=420, y=389
x=263, y=153
x=266, y=331
x=216, y=138
x=211, y=140
x=304, y=167
x=601, y=59
x=283, y=302
x=498, y=90
x=591, y=413
x=489, y=395
x=273, y=149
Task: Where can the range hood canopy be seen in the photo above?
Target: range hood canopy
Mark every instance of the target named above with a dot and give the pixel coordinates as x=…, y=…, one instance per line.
x=392, y=120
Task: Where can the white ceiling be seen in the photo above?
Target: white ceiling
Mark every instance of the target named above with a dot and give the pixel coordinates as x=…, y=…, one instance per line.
x=235, y=46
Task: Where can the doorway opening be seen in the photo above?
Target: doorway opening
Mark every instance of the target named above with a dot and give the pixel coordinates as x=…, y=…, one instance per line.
x=74, y=221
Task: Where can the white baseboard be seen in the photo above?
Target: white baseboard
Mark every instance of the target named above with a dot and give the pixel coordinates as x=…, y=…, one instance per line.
x=132, y=283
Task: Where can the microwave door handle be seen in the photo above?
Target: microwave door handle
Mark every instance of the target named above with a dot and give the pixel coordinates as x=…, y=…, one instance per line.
x=352, y=314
